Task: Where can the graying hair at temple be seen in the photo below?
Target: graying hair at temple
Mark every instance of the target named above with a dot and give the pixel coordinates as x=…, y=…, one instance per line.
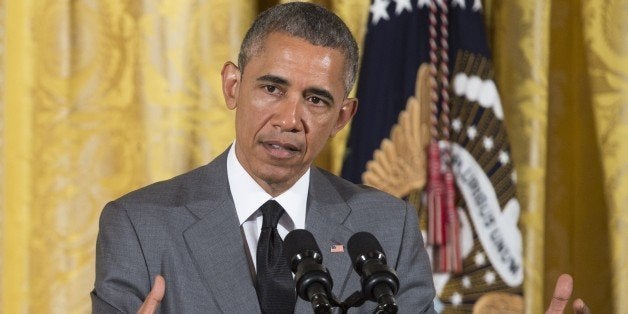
x=308, y=21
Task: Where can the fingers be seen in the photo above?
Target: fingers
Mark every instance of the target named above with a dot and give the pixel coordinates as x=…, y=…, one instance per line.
x=154, y=297
x=562, y=293
x=579, y=307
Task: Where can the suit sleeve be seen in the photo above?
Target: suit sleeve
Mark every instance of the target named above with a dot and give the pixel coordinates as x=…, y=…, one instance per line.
x=416, y=290
x=122, y=279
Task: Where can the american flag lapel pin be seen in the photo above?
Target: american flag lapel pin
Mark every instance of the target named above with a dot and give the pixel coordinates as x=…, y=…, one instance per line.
x=337, y=248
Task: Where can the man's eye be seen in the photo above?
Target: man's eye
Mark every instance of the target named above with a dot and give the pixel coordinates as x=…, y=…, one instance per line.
x=271, y=89
x=315, y=100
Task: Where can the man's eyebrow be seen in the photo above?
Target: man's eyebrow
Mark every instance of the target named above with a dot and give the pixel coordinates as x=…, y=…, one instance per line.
x=321, y=92
x=273, y=79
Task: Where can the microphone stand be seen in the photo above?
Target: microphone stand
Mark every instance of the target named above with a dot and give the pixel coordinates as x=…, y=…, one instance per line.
x=356, y=299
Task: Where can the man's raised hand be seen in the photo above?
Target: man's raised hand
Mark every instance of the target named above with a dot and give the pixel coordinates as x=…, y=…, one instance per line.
x=154, y=297
x=562, y=293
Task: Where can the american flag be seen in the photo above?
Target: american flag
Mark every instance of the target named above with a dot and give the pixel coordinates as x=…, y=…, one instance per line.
x=337, y=248
x=396, y=45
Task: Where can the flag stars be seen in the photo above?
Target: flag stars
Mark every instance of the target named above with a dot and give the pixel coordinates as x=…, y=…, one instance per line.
x=477, y=5
x=378, y=10
x=456, y=299
x=402, y=5
x=488, y=143
x=503, y=157
x=424, y=3
x=466, y=282
x=513, y=177
x=456, y=125
x=472, y=132
x=479, y=259
x=489, y=277
x=459, y=3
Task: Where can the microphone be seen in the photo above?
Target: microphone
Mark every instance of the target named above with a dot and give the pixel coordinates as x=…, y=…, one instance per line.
x=379, y=282
x=313, y=282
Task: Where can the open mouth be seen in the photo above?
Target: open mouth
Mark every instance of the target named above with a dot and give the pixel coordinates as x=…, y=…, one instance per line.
x=281, y=150
x=284, y=146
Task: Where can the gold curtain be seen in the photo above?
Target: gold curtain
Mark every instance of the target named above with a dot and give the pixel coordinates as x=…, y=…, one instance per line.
x=562, y=68
x=100, y=97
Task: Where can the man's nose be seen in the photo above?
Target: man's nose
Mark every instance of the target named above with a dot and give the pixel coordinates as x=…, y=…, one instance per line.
x=288, y=116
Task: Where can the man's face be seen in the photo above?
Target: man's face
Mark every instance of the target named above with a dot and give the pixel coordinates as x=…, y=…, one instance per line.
x=289, y=100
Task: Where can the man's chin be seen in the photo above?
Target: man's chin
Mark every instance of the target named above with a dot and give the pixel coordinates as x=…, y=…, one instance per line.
x=275, y=175
x=278, y=177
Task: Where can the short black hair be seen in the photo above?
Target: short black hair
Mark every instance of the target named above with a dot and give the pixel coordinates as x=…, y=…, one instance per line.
x=308, y=21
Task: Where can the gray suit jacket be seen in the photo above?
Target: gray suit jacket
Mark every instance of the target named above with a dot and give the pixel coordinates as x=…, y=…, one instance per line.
x=187, y=230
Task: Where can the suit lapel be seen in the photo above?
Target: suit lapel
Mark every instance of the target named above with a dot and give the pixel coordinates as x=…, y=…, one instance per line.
x=326, y=215
x=215, y=243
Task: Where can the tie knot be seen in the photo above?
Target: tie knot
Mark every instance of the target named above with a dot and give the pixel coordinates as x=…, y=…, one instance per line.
x=271, y=212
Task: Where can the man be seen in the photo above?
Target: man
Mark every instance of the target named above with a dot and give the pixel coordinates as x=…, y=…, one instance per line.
x=196, y=236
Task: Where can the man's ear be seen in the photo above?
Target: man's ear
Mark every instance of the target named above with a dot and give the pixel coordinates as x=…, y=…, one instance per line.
x=347, y=111
x=230, y=84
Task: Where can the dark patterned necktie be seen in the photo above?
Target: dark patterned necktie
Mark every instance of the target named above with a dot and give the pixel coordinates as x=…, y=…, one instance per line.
x=275, y=286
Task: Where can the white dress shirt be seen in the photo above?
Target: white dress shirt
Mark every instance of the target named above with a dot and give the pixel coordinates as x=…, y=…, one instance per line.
x=248, y=196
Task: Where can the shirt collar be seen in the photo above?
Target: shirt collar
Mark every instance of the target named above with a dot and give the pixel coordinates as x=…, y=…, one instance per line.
x=248, y=196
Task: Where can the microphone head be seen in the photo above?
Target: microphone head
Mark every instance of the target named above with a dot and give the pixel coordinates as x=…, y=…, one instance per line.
x=379, y=282
x=312, y=281
x=300, y=243
x=363, y=245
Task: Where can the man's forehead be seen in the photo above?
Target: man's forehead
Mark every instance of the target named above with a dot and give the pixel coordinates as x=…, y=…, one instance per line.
x=281, y=43
x=281, y=36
